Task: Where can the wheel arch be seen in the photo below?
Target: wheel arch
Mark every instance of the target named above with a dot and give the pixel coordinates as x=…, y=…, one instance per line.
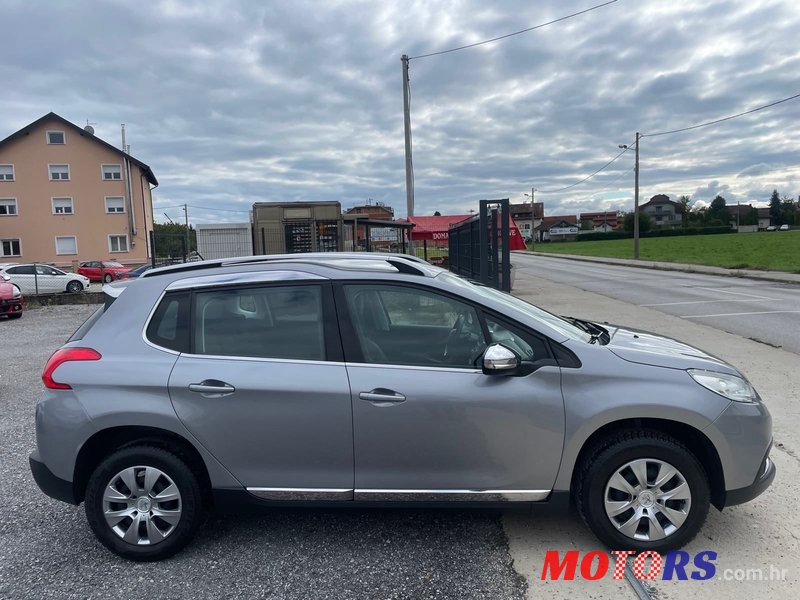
x=691, y=437
x=104, y=442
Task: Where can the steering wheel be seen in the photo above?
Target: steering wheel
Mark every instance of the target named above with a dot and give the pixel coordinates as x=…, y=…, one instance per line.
x=455, y=333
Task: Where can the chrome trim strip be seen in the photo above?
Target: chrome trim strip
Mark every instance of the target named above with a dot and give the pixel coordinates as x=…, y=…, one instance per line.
x=414, y=368
x=301, y=494
x=453, y=495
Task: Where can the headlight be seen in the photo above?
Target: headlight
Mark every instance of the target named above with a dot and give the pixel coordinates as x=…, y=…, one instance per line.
x=16, y=293
x=730, y=386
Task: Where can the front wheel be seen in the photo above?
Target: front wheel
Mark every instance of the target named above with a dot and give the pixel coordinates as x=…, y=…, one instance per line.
x=74, y=286
x=144, y=503
x=643, y=490
x=107, y=278
x=15, y=315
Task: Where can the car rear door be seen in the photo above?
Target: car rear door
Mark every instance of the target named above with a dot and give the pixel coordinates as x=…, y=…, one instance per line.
x=24, y=277
x=264, y=388
x=428, y=424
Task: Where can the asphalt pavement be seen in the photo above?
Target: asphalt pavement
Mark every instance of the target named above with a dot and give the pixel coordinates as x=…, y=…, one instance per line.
x=763, y=311
x=48, y=551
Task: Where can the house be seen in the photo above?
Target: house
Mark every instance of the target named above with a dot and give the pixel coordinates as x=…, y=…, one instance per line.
x=602, y=221
x=559, y=228
x=521, y=213
x=764, y=218
x=68, y=196
x=377, y=212
x=663, y=211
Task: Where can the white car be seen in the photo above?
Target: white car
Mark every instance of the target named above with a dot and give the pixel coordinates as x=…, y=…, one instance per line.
x=784, y=227
x=43, y=279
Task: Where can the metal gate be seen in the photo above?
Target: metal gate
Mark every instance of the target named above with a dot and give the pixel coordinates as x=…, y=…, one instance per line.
x=479, y=246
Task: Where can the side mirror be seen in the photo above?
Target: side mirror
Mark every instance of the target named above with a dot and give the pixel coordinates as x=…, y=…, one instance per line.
x=499, y=360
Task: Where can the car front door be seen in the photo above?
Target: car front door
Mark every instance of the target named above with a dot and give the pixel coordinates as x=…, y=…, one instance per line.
x=51, y=280
x=428, y=423
x=265, y=390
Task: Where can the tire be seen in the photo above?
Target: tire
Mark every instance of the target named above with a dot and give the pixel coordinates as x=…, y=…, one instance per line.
x=163, y=473
x=600, y=480
x=107, y=278
x=15, y=315
x=74, y=287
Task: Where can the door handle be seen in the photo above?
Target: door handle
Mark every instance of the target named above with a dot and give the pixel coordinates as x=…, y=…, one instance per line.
x=211, y=388
x=382, y=396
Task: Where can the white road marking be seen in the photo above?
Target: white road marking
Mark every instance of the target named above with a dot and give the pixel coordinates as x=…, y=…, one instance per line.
x=700, y=302
x=767, y=312
x=734, y=293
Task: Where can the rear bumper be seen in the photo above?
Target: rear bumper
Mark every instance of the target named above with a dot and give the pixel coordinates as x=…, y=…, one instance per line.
x=766, y=475
x=51, y=485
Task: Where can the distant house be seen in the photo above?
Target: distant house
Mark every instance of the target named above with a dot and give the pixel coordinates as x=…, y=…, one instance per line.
x=559, y=228
x=602, y=221
x=521, y=213
x=764, y=220
x=378, y=212
x=663, y=211
x=68, y=196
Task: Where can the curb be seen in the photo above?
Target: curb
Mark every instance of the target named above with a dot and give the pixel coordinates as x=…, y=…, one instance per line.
x=773, y=276
x=34, y=301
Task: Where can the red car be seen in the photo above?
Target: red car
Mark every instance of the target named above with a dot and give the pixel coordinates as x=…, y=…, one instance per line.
x=102, y=270
x=11, y=300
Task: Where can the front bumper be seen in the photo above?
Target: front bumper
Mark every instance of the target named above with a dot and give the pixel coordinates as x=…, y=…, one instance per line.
x=51, y=485
x=11, y=306
x=763, y=480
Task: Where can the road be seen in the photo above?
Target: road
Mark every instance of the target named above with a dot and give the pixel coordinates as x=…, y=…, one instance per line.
x=763, y=311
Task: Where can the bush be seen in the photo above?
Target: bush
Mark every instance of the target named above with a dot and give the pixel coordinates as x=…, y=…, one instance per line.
x=621, y=235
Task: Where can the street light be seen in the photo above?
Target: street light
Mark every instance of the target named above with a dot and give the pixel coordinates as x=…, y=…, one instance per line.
x=635, y=197
x=533, y=218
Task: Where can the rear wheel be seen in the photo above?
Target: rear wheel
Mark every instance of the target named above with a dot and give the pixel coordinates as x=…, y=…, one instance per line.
x=74, y=286
x=643, y=490
x=144, y=503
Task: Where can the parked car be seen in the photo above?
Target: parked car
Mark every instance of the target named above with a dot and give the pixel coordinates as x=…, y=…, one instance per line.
x=102, y=270
x=12, y=302
x=35, y=278
x=356, y=380
x=784, y=227
x=772, y=228
x=135, y=273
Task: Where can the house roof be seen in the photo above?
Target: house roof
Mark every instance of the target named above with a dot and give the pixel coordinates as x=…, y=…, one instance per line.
x=53, y=116
x=549, y=222
x=435, y=224
x=662, y=199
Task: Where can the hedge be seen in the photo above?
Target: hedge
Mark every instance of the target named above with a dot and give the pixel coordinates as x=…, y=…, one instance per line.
x=621, y=235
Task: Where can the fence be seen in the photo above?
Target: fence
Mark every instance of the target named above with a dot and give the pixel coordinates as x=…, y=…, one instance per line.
x=479, y=247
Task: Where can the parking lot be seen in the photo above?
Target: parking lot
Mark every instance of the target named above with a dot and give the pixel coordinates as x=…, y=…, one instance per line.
x=47, y=550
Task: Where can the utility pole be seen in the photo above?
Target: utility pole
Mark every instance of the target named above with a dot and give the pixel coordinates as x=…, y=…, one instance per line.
x=636, y=202
x=407, y=127
x=186, y=214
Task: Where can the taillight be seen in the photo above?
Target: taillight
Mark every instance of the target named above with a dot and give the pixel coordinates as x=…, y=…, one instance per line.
x=59, y=358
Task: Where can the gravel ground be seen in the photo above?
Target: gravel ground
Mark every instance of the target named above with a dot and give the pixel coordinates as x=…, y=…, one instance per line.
x=47, y=550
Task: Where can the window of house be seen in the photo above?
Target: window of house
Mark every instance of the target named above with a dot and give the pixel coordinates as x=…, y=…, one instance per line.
x=115, y=204
x=56, y=137
x=62, y=206
x=10, y=247
x=658, y=208
x=263, y=322
x=8, y=207
x=58, y=172
x=112, y=172
x=118, y=243
x=67, y=245
x=6, y=172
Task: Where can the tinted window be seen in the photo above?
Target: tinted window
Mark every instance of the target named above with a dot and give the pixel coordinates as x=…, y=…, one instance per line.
x=169, y=326
x=23, y=270
x=264, y=322
x=409, y=326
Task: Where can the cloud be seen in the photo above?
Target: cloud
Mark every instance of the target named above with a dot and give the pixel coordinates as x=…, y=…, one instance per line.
x=236, y=102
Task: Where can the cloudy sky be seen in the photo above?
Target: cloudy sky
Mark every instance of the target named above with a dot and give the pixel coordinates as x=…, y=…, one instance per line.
x=236, y=102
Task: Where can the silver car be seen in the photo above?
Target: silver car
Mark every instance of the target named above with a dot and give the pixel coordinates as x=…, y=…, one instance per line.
x=349, y=379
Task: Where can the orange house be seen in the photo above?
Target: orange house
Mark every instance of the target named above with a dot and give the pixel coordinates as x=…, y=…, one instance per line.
x=67, y=196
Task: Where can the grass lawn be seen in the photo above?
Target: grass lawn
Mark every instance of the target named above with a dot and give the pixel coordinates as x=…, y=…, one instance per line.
x=767, y=250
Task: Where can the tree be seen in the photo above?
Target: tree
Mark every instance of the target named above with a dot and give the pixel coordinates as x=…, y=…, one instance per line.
x=788, y=210
x=718, y=212
x=645, y=223
x=684, y=202
x=437, y=214
x=775, y=209
x=170, y=239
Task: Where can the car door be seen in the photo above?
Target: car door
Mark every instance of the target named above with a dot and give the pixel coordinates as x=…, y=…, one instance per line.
x=265, y=390
x=51, y=280
x=428, y=423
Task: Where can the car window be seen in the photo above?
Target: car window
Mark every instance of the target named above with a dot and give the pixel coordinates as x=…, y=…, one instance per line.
x=44, y=270
x=526, y=345
x=22, y=270
x=264, y=322
x=169, y=326
x=410, y=326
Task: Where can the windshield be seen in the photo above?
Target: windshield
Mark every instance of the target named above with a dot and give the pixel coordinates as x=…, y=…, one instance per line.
x=111, y=264
x=550, y=320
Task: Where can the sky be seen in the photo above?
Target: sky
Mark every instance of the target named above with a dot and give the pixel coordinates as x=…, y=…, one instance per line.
x=237, y=102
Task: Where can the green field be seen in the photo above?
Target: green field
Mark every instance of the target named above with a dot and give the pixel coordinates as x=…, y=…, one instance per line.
x=769, y=250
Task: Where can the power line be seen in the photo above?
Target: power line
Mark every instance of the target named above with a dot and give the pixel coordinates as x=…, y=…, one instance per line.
x=741, y=114
x=588, y=177
x=508, y=35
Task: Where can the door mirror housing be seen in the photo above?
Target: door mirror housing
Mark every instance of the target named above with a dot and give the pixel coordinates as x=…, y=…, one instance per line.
x=500, y=360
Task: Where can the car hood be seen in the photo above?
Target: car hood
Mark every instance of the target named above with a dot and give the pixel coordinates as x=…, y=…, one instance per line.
x=647, y=348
